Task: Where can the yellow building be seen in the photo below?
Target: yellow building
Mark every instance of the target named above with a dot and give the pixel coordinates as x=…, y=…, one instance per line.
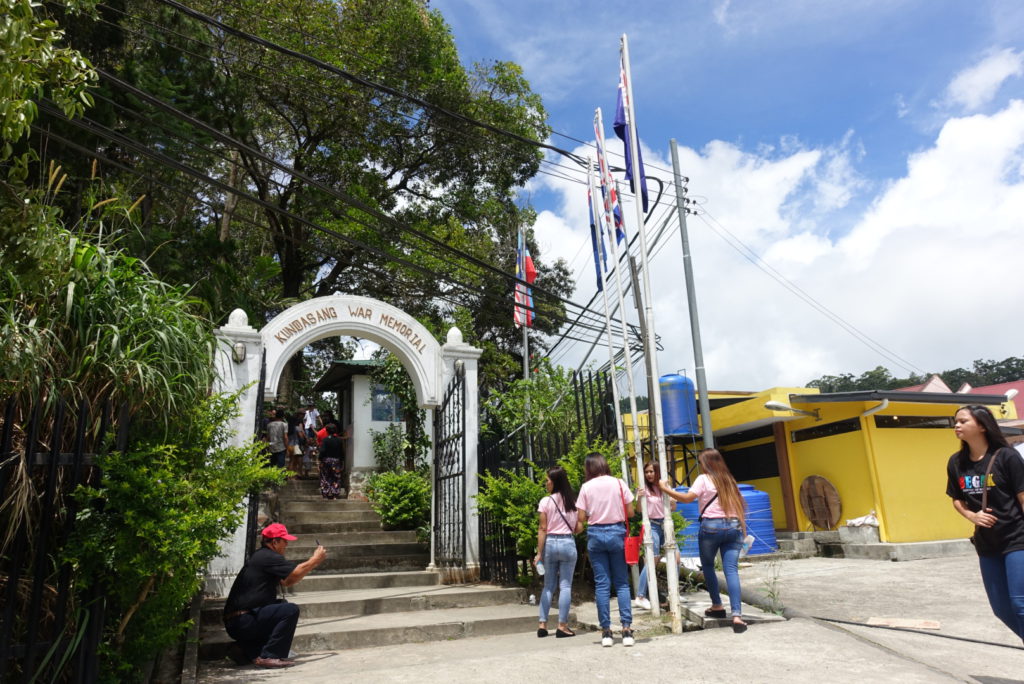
x=882, y=451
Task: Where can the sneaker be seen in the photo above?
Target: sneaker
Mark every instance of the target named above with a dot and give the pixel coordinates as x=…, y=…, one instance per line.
x=606, y=638
x=643, y=603
x=627, y=637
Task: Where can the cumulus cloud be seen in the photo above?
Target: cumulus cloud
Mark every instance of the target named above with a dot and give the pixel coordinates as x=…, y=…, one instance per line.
x=977, y=85
x=922, y=275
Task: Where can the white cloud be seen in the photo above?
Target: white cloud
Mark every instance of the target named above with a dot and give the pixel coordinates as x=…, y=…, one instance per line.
x=924, y=271
x=976, y=86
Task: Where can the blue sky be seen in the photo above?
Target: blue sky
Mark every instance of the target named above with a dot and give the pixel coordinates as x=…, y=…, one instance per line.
x=869, y=152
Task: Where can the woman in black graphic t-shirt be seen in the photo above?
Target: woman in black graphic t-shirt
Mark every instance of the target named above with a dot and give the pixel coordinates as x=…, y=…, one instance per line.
x=999, y=528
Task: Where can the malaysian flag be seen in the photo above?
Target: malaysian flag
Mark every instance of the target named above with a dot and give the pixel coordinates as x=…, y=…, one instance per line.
x=612, y=210
x=522, y=314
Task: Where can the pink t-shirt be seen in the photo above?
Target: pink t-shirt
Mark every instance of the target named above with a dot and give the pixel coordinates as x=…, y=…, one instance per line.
x=552, y=507
x=602, y=499
x=655, y=504
x=704, y=488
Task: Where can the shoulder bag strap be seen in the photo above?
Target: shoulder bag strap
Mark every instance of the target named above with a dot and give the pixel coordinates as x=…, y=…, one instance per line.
x=625, y=511
x=572, y=530
x=988, y=470
x=710, y=501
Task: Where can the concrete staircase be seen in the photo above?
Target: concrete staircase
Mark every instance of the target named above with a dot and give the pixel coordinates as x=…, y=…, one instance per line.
x=372, y=590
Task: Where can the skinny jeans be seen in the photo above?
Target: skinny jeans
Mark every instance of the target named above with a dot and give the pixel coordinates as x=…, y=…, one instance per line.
x=721, y=535
x=559, y=564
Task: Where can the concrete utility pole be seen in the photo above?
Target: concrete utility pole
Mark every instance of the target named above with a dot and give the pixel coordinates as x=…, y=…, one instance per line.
x=691, y=301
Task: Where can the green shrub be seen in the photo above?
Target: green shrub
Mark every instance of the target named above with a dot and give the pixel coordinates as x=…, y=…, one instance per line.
x=402, y=499
x=511, y=498
x=148, y=532
x=389, y=447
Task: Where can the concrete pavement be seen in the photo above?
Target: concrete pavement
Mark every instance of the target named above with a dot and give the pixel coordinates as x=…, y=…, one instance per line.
x=947, y=590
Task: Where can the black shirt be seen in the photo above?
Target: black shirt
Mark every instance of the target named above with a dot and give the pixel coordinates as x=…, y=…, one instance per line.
x=257, y=583
x=331, y=447
x=964, y=482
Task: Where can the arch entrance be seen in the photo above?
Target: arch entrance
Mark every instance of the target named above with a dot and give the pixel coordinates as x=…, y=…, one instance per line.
x=248, y=359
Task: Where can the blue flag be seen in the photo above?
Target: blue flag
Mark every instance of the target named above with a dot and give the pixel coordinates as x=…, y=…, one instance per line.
x=621, y=126
x=597, y=237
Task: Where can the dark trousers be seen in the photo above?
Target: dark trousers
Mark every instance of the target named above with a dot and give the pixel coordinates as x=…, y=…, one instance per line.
x=265, y=632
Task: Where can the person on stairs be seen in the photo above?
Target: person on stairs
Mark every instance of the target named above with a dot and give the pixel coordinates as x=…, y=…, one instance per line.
x=261, y=624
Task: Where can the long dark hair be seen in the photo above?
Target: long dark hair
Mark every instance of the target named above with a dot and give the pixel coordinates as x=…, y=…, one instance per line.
x=713, y=465
x=993, y=435
x=560, y=485
x=652, y=487
x=594, y=465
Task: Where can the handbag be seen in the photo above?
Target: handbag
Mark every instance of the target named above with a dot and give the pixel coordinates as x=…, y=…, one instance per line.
x=632, y=545
x=984, y=491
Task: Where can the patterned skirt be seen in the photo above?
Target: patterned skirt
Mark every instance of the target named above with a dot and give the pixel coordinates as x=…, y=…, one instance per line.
x=330, y=478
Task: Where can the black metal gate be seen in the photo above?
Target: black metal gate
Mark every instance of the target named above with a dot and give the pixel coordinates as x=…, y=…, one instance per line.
x=254, y=496
x=450, y=474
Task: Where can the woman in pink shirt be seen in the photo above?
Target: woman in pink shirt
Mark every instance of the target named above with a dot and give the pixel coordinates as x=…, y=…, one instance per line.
x=604, y=504
x=556, y=549
x=722, y=528
x=656, y=516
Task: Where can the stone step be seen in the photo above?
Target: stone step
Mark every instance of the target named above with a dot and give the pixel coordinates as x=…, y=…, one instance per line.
x=805, y=546
x=370, y=580
x=316, y=497
x=318, y=528
x=385, y=629
x=386, y=562
x=307, y=542
x=338, y=516
x=357, y=602
x=319, y=505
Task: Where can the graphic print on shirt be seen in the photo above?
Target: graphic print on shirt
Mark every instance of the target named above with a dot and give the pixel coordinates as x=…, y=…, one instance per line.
x=972, y=484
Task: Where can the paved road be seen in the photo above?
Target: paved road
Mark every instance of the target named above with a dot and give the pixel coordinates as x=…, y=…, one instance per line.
x=802, y=649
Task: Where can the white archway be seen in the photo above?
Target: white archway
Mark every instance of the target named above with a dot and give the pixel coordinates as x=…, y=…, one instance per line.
x=431, y=367
x=346, y=315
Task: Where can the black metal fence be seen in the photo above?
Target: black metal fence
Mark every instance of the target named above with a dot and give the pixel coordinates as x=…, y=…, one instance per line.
x=595, y=417
x=48, y=630
x=450, y=475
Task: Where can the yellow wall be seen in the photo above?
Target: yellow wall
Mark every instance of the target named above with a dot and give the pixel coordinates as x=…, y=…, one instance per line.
x=911, y=466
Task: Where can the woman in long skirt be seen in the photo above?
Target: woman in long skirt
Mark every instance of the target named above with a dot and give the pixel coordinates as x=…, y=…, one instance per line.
x=332, y=456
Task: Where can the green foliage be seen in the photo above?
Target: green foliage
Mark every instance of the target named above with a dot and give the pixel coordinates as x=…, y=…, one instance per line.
x=146, y=534
x=402, y=499
x=392, y=376
x=544, y=402
x=983, y=372
x=36, y=65
x=572, y=462
x=510, y=498
x=389, y=447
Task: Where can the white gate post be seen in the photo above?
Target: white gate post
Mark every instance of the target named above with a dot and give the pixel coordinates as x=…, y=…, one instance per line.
x=455, y=350
x=238, y=359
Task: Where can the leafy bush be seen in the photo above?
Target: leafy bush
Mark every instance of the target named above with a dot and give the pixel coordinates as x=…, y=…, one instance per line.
x=402, y=499
x=389, y=447
x=510, y=498
x=148, y=532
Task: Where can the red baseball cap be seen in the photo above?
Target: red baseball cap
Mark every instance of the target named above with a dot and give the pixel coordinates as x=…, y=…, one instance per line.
x=277, y=531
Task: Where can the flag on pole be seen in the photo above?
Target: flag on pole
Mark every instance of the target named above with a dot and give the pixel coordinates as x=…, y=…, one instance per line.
x=523, y=311
x=621, y=126
x=608, y=191
x=597, y=242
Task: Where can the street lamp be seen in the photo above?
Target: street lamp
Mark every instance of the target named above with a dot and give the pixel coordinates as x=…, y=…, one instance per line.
x=779, y=406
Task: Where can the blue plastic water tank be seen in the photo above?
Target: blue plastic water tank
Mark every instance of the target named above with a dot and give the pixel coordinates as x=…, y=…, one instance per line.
x=759, y=522
x=678, y=405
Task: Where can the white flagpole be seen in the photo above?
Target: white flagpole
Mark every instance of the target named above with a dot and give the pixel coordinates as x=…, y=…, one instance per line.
x=609, y=220
x=657, y=430
x=607, y=316
x=525, y=317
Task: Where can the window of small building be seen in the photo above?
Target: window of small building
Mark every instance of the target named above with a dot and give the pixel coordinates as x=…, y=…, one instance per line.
x=915, y=422
x=385, y=406
x=828, y=430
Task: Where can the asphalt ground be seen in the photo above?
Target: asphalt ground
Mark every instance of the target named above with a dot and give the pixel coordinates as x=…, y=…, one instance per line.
x=821, y=596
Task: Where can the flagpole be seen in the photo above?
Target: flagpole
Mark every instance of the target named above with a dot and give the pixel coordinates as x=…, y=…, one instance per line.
x=652, y=575
x=657, y=433
x=521, y=272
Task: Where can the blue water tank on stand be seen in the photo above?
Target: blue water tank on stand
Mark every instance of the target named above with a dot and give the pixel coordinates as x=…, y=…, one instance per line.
x=759, y=523
x=759, y=520
x=678, y=405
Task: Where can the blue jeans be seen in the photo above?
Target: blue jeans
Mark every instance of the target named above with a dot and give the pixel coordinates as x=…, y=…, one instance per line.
x=559, y=563
x=1003, y=577
x=606, y=545
x=657, y=534
x=721, y=534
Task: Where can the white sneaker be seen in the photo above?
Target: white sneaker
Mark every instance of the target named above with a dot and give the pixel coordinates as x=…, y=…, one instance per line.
x=643, y=603
x=627, y=637
x=606, y=638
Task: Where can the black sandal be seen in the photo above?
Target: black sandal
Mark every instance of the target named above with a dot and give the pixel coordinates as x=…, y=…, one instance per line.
x=541, y=632
x=715, y=613
x=560, y=634
x=739, y=627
